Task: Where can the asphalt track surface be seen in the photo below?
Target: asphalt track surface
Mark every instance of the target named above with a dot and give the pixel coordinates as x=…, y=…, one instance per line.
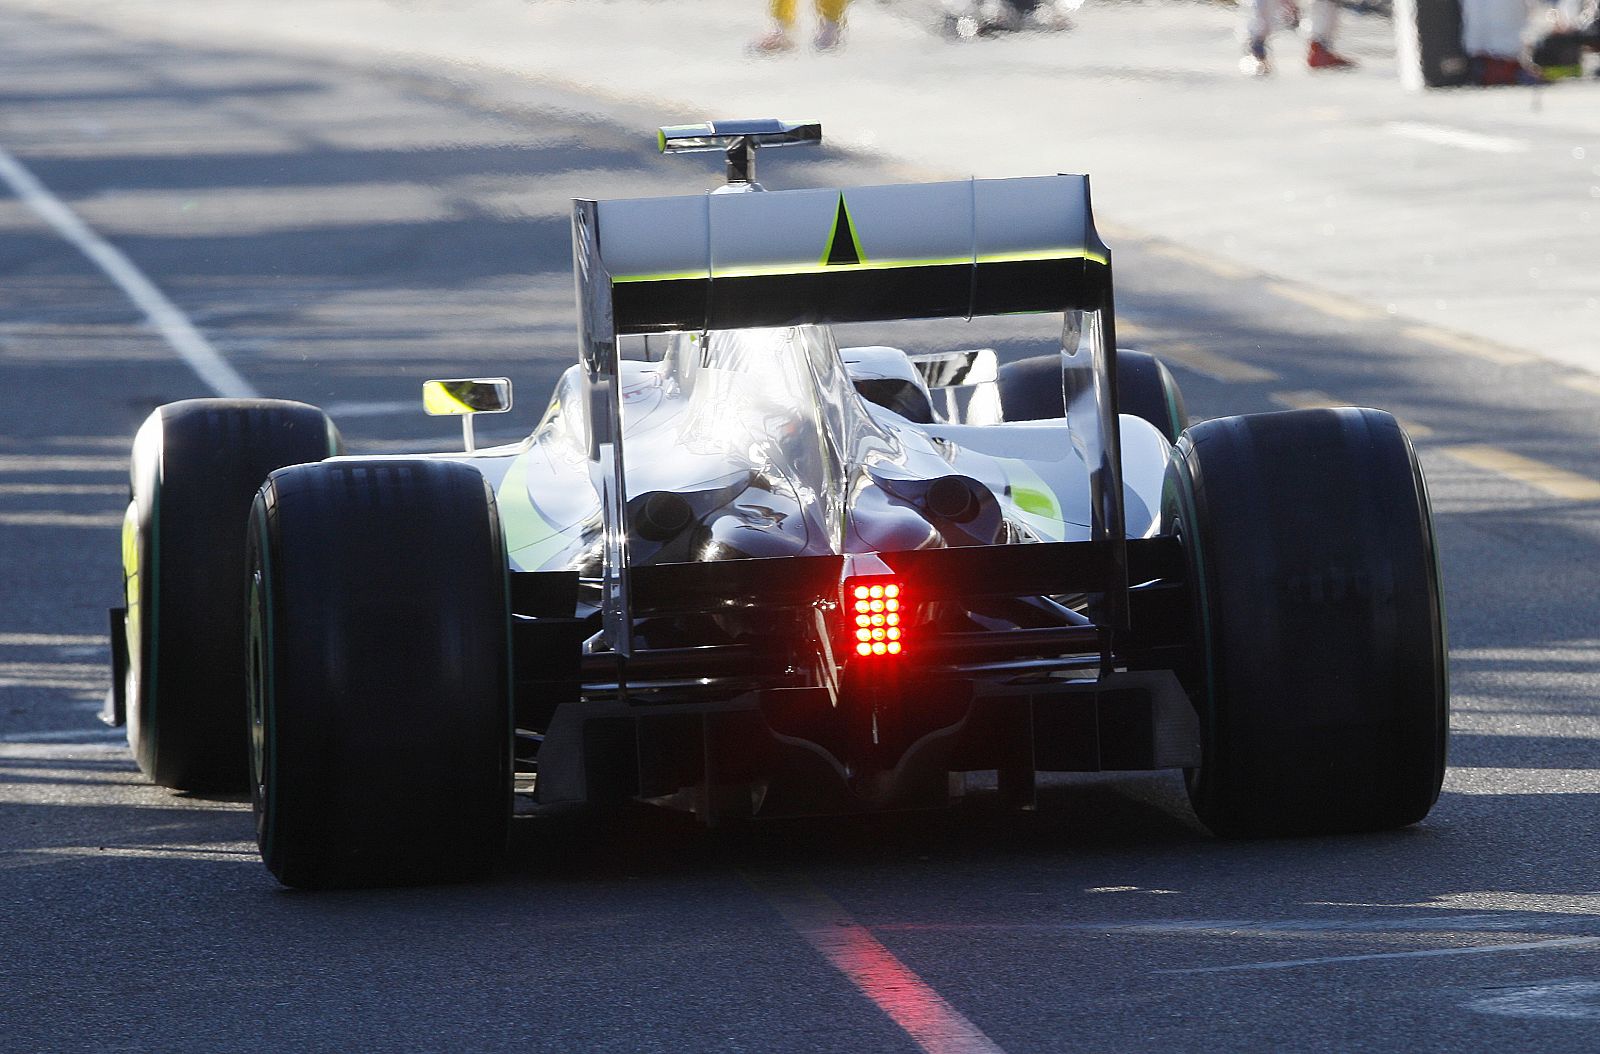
x=339, y=233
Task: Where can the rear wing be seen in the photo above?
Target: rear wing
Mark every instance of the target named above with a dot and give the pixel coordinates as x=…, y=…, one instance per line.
x=861, y=254
x=778, y=258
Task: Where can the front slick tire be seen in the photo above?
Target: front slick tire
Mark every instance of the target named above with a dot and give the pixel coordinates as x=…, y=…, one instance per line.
x=380, y=685
x=1320, y=673
x=196, y=467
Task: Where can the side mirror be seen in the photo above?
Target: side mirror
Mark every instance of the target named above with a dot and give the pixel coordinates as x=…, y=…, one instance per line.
x=464, y=397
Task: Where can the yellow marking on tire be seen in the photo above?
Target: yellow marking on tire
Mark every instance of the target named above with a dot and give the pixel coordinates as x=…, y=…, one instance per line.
x=1556, y=482
x=1465, y=345
x=1220, y=268
x=1326, y=303
x=60, y=519
x=1315, y=400
x=1210, y=364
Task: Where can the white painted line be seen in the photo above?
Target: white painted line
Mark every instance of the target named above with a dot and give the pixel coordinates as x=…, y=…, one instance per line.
x=1444, y=136
x=1566, y=1000
x=150, y=852
x=86, y=736
x=61, y=519
x=933, y=1024
x=62, y=463
x=163, y=314
x=63, y=488
x=51, y=640
x=1501, y=781
x=1432, y=953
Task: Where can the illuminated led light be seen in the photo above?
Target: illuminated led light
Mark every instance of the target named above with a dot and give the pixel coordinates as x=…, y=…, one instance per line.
x=878, y=628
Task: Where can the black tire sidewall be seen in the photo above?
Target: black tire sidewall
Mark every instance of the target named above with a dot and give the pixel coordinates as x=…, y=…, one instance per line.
x=191, y=497
x=1319, y=669
x=386, y=698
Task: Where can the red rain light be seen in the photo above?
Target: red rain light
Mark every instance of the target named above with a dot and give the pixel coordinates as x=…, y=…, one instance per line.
x=875, y=608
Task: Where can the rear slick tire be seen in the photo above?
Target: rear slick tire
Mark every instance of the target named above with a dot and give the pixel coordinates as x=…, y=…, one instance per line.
x=1320, y=658
x=1030, y=390
x=196, y=467
x=379, y=675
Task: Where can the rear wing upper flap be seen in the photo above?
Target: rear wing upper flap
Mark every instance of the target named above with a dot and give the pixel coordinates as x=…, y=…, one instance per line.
x=954, y=249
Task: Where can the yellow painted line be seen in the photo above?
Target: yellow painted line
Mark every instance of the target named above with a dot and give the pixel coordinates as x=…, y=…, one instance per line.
x=61, y=463
x=1465, y=345
x=1220, y=268
x=61, y=519
x=63, y=488
x=1315, y=400
x=51, y=640
x=1584, y=382
x=1327, y=303
x=1557, y=482
x=1210, y=364
x=1131, y=331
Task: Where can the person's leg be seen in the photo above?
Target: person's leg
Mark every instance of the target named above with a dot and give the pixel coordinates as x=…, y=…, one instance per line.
x=1324, y=26
x=782, y=12
x=830, y=23
x=1255, y=28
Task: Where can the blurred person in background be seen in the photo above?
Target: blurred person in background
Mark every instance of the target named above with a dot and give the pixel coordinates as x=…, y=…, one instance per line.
x=830, y=26
x=1259, y=18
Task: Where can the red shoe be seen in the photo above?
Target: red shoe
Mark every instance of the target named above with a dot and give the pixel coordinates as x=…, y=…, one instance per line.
x=774, y=43
x=1320, y=57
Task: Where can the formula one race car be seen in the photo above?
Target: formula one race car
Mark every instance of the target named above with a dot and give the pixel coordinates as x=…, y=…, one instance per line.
x=745, y=572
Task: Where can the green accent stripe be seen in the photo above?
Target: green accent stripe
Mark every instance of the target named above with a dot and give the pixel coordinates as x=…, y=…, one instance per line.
x=773, y=270
x=843, y=211
x=530, y=539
